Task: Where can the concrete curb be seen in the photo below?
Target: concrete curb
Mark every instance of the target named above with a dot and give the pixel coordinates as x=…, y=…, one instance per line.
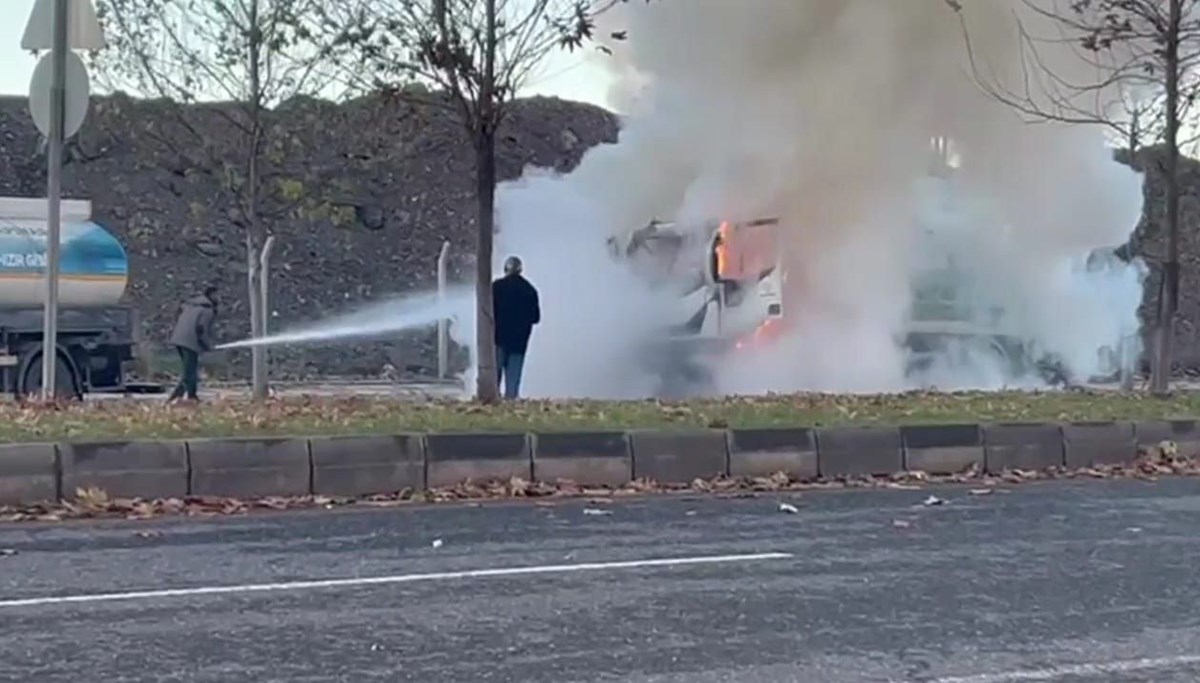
x=679, y=457
x=126, y=469
x=765, y=452
x=859, y=451
x=943, y=449
x=456, y=458
x=244, y=468
x=586, y=458
x=29, y=473
x=353, y=466
x=1022, y=446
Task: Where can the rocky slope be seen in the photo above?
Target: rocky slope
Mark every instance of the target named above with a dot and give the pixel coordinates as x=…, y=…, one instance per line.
x=393, y=181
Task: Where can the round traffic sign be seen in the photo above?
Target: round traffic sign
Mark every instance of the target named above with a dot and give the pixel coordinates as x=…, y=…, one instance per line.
x=76, y=102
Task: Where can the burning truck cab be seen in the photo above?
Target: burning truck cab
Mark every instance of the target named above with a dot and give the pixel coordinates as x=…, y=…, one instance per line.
x=729, y=280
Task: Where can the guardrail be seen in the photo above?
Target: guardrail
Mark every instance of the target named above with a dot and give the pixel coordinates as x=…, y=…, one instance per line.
x=371, y=465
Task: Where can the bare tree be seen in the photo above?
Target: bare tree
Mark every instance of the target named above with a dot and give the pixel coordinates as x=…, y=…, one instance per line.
x=244, y=57
x=472, y=57
x=1144, y=54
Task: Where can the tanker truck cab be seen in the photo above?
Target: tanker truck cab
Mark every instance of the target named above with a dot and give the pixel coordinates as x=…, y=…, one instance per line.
x=96, y=334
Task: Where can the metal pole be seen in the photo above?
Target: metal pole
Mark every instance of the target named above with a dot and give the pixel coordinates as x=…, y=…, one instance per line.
x=265, y=296
x=443, y=341
x=58, y=89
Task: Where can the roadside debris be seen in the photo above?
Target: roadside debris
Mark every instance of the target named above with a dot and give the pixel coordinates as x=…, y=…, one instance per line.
x=7, y=552
x=901, y=523
x=932, y=501
x=437, y=543
x=595, y=512
x=788, y=508
x=982, y=492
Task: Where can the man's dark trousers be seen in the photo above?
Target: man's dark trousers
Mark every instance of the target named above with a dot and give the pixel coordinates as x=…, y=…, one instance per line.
x=508, y=369
x=189, y=383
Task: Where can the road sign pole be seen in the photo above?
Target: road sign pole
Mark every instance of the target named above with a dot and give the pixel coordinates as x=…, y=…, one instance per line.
x=58, y=90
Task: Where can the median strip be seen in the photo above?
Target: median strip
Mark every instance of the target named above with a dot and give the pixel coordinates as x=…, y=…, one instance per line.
x=138, y=479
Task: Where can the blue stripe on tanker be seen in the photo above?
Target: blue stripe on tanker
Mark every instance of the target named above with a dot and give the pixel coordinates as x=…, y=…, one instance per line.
x=93, y=265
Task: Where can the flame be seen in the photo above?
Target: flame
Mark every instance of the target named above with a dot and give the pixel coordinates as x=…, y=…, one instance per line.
x=763, y=334
x=723, y=232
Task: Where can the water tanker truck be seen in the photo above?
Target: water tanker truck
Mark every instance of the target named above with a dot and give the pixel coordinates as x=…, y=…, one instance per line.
x=96, y=334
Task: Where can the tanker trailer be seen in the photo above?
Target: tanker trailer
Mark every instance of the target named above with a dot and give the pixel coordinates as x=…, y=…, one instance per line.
x=96, y=334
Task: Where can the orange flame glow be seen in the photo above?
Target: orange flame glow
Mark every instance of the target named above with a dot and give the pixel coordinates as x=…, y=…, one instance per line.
x=724, y=234
x=762, y=335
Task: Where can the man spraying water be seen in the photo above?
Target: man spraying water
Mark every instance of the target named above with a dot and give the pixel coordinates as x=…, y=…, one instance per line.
x=515, y=301
x=193, y=335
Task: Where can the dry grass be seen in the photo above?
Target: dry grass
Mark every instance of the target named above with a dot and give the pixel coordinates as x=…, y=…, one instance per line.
x=311, y=416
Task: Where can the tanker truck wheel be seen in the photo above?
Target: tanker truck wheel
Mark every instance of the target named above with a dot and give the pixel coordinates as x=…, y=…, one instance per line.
x=66, y=385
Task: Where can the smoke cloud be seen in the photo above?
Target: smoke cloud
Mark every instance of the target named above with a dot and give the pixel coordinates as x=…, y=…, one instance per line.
x=820, y=113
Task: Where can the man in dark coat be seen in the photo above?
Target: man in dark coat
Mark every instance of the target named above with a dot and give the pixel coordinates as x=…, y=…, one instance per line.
x=193, y=336
x=515, y=302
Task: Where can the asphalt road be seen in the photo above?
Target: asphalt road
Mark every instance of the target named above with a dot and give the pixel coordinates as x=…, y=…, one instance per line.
x=1092, y=582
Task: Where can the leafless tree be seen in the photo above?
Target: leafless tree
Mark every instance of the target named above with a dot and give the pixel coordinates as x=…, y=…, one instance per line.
x=472, y=57
x=243, y=57
x=1144, y=55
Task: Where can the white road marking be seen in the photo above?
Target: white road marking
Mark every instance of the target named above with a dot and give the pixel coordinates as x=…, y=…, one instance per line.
x=383, y=580
x=1059, y=672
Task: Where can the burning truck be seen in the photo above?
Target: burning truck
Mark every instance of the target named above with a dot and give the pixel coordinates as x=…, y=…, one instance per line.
x=730, y=280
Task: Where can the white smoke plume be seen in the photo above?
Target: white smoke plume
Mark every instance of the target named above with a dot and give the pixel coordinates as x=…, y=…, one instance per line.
x=820, y=112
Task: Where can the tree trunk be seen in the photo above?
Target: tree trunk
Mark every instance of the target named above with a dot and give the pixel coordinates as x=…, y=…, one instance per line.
x=258, y=314
x=486, y=381
x=1168, y=302
x=258, y=375
x=486, y=389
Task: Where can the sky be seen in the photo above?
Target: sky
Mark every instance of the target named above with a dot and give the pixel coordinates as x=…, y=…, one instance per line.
x=577, y=76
